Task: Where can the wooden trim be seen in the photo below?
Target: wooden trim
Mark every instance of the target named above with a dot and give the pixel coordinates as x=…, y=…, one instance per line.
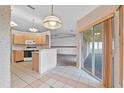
x=107, y=40
x=121, y=45
x=118, y=7
x=97, y=22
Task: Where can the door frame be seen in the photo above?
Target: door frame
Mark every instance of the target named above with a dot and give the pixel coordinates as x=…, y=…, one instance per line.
x=121, y=45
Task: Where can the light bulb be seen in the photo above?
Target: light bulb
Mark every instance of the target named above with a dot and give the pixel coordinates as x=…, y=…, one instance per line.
x=13, y=24
x=52, y=23
x=33, y=29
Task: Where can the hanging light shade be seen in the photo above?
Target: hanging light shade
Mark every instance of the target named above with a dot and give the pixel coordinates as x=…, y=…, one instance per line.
x=52, y=22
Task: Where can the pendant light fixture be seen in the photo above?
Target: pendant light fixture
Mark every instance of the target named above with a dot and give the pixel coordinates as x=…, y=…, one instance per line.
x=33, y=29
x=52, y=21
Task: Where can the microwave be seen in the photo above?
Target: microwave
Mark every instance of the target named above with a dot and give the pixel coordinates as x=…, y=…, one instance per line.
x=28, y=42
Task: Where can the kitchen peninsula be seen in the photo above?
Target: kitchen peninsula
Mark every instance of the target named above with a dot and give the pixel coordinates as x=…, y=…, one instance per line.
x=41, y=60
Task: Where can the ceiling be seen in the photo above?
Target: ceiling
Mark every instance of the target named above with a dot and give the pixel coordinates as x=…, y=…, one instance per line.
x=69, y=14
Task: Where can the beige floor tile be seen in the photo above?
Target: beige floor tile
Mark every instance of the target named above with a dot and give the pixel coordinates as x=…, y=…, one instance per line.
x=58, y=84
x=68, y=86
x=72, y=83
x=36, y=75
x=22, y=75
x=82, y=85
x=36, y=83
x=51, y=82
x=44, y=78
x=28, y=79
x=28, y=86
x=44, y=86
x=19, y=84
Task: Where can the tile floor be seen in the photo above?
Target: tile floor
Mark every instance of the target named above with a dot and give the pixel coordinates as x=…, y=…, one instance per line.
x=58, y=77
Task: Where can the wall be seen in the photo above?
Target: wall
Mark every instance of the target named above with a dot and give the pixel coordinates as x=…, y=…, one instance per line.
x=65, y=45
x=65, y=41
x=5, y=46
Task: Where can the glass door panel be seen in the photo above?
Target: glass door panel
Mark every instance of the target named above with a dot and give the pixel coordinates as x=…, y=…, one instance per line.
x=98, y=50
x=87, y=44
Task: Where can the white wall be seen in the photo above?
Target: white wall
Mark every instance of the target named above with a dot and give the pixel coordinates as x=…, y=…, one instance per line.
x=5, y=46
x=66, y=41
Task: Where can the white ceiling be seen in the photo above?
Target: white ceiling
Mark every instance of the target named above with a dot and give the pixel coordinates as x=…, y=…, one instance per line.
x=69, y=14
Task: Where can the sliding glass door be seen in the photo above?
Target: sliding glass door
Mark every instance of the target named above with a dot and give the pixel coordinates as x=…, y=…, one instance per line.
x=98, y=50
x=87, y=42
x=92, y=50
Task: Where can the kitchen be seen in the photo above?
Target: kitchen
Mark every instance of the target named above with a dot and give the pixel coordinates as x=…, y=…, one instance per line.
x=27, y=41
x=26, y=47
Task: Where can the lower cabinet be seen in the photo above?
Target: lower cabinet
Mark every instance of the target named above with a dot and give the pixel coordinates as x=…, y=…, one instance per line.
x=18, y=56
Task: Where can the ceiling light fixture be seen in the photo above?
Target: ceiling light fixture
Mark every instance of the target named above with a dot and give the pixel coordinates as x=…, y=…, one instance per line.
x=13, y=24
x=52, y=21
x=33, y=29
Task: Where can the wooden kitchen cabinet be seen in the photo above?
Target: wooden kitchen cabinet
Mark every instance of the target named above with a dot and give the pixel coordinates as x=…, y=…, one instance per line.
x=18, y=39
x=43, y=39
x=35, y=61
x=38, y=39
x=18, y=56
x=29, y=37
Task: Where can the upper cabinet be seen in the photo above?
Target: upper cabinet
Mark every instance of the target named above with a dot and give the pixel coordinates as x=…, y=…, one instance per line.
x=18, y=39
x=29, y=37
x=38, y=39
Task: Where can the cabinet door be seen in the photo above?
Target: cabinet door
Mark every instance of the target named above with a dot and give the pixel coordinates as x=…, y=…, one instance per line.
x=29, y=37
x=40, y=39
x=18, y=39
x=18, y=55
x=43, y=39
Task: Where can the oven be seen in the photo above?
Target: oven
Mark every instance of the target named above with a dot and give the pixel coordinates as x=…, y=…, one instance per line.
x=28, y=55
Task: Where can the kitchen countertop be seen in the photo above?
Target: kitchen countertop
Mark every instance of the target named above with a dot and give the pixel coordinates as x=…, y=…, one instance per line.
x=26, y=49
x=35, y=52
